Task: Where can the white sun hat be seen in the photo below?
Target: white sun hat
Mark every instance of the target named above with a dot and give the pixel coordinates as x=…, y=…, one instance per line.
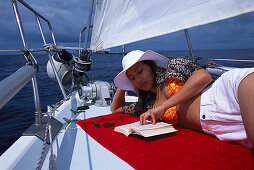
x=122, y=81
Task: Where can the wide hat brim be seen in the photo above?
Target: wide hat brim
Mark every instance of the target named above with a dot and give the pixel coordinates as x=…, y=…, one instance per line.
x=122, y=81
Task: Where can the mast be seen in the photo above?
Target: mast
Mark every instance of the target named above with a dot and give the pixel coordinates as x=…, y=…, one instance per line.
x=89, y=23
x=189, y=44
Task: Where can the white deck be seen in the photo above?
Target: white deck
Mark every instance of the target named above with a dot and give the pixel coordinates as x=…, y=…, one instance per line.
x=74, y=149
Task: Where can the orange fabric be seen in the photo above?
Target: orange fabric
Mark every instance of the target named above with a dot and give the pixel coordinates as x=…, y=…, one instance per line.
x=174, y=85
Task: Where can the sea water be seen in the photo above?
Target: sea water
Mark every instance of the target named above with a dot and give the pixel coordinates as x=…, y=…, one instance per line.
x=18, y=114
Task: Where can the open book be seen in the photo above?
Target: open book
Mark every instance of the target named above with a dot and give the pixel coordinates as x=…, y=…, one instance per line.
x=145, y=130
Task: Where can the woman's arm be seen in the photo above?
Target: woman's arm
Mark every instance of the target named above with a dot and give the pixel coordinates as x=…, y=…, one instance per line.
x=194, y=85
x=118, y=101
x=119, y=104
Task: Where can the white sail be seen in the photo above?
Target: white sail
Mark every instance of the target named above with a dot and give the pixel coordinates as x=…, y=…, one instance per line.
x=119, y=22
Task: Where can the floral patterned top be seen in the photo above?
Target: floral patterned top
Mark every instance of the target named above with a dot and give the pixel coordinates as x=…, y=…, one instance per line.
x=178, y=68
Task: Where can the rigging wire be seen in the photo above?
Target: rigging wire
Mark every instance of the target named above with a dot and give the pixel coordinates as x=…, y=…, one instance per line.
x=11, y=50
x=204, y=58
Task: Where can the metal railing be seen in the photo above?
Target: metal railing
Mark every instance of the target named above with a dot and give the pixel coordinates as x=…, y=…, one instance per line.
x=80, y=38
x=38, y=19
x=11, y=85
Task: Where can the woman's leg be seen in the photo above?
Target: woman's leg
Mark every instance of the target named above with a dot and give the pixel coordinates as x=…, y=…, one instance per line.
x=246, y=102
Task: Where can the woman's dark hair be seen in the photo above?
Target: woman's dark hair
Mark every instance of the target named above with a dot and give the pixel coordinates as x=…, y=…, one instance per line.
x=144, y=94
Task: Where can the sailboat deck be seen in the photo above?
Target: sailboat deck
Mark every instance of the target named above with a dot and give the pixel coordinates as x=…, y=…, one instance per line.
x=73, y=147
x=77, y=150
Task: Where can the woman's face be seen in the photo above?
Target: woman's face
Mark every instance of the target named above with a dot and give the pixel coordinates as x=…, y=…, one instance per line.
x=141, y=76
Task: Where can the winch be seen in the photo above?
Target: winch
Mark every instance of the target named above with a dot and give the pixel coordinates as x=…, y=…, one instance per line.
x=70, y=71
x=100, y=92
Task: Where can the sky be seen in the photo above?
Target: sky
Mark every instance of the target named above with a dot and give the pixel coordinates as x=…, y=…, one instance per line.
x=68, y=17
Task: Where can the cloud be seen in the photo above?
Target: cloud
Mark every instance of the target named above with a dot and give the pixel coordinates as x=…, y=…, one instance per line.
x=67, y=19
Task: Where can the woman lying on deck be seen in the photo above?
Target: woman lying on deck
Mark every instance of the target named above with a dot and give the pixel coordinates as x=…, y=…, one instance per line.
x=181, y=92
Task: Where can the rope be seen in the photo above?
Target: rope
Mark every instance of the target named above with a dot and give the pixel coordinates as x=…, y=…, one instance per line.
x=210, y=63
x=245, y=16
x=52, y=158
x=43, y=148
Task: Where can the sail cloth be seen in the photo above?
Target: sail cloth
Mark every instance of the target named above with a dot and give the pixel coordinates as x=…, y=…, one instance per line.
x=118, y=22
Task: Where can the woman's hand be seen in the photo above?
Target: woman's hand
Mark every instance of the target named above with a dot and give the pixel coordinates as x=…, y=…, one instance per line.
x=154, y=113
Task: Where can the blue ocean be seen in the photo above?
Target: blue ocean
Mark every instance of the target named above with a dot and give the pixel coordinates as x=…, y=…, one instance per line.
x=18, y=114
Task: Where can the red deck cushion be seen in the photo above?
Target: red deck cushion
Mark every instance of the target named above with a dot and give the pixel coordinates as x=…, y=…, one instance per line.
x=184, y=149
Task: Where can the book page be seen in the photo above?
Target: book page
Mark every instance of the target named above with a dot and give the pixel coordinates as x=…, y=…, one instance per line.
x=146, y=130
x=157, y=131
x=149, y=125
x=126, y=129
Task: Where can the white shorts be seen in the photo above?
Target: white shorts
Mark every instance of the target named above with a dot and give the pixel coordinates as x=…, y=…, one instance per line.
x=219, y=108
